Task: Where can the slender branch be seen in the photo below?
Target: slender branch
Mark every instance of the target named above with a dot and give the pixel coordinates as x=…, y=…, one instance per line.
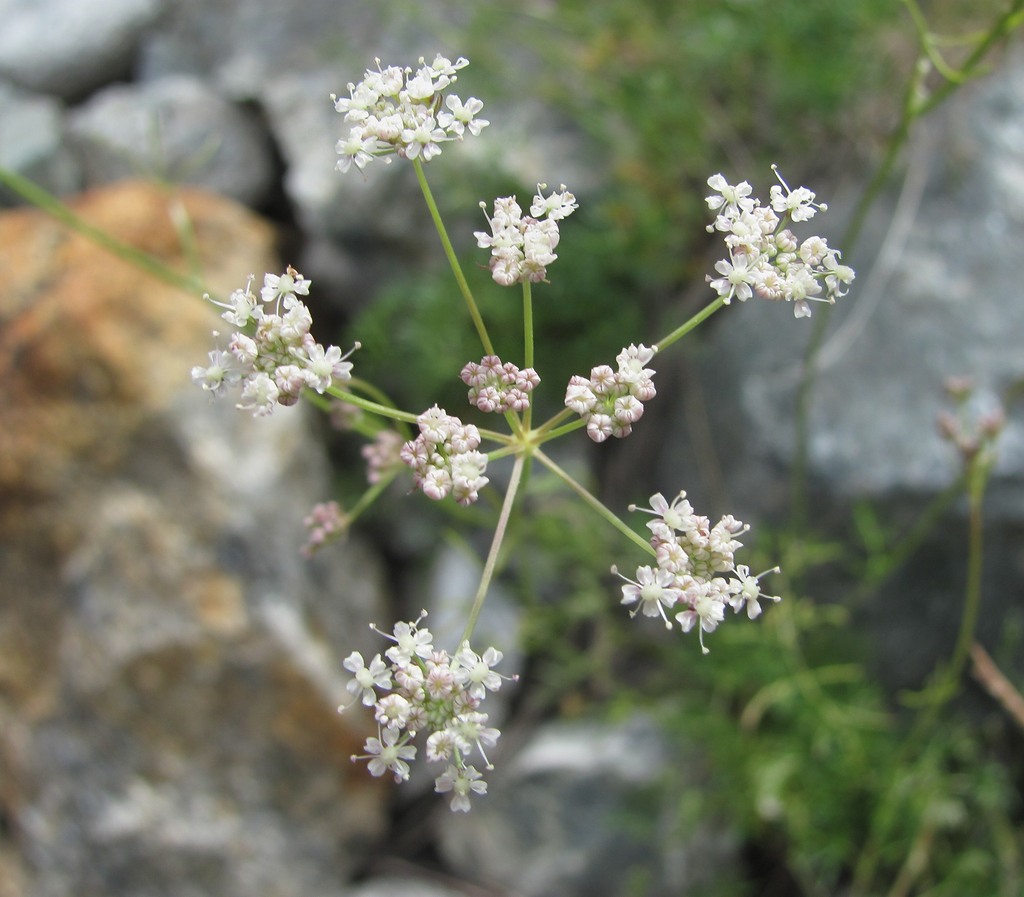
x=53, y=207
x=689, y=325
x=594, y=503
x=453, y=261
x=492, y=555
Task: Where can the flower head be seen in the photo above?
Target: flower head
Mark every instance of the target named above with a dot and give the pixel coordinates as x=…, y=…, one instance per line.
x=612, y=401
x=273, y=357
x=696, y=576
x=444, y=459
x=764, y=258
x=425, y=689
x=522, y=246
x=398, y=111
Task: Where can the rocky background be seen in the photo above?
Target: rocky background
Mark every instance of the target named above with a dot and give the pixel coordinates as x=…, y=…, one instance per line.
x=170, y=666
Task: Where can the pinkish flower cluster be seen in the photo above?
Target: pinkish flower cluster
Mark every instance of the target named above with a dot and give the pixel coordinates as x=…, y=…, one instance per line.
x=612, y=401
x=272, y=357
x=497, y=386
x=696, y=574
x=325, y=522
x=417, y=688
x=765, y=258
x=382, y=455
x=399, y=111
x=522, y=246
x=444, y=458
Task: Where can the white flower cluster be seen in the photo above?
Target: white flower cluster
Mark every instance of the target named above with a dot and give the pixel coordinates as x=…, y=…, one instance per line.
x=398, y=111
x=444, y=458
x=523, y=246
x=424, y=689
x=690, y=555
x=273, y=356
x=765, y=258
x=497, y=386
x=612, y=401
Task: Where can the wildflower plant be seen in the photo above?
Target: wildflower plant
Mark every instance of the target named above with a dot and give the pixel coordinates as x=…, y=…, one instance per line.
x=427, y=700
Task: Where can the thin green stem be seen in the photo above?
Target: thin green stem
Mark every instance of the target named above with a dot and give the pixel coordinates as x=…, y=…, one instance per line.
x=453, y=261
x=492, y=556
x=370, y=495
x=915, y=105
x=945, y=682
x=527, y=343
x=594, y=502
x=373, y=407
x=542, y=436
x=527, y=324
x=52, y=206
x=689, y=325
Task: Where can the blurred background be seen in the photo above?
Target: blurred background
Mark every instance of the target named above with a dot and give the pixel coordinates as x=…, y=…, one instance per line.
x=170, y=666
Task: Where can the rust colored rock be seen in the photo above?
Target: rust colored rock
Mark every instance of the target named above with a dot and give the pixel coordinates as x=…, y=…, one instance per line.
x=169, y=664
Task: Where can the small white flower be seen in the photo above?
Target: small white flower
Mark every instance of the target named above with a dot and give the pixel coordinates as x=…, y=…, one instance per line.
x=388, y=753
x=366, y=678
x=461, y=782
x=477, y=672
x=745, y=589
x=652, y=591
x=410, y=642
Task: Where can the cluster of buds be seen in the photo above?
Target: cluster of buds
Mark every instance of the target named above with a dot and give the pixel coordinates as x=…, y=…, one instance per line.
x=765, y=258
x=420, y=688
x=382, y=455
x=522, y=246
x=612, y=401
x=324, y=523
x=497, y=386
x=398, y=111
x=973, y=436
x=444, y=458
x=273, y=356
x=696, y=574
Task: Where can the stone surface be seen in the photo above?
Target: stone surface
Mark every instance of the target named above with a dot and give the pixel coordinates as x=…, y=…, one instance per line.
x=175, y=129
x=169, y=665
x=936, y=295
x=577, y=810
x=33, y=142
x=70, y=47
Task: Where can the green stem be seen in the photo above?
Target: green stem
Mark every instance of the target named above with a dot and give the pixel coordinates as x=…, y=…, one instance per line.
x=370, y=495
x=685, y=328
x=945, y=682
x=492, y=556
x=548, y=425
x=527, y=344
x=52, y=206
x=373, y=407
x=914, y=107
x=594, y=503
x=543, y=436
x=453, y=261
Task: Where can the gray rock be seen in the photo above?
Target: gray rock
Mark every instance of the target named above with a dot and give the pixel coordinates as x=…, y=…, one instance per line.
x=577, y=810
x=937, y=295
x=939, y=301
x=69, y=47
x=171, y=666
x=32, y=142
x=244, y=45
x=401, y=887
x=175, y=129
